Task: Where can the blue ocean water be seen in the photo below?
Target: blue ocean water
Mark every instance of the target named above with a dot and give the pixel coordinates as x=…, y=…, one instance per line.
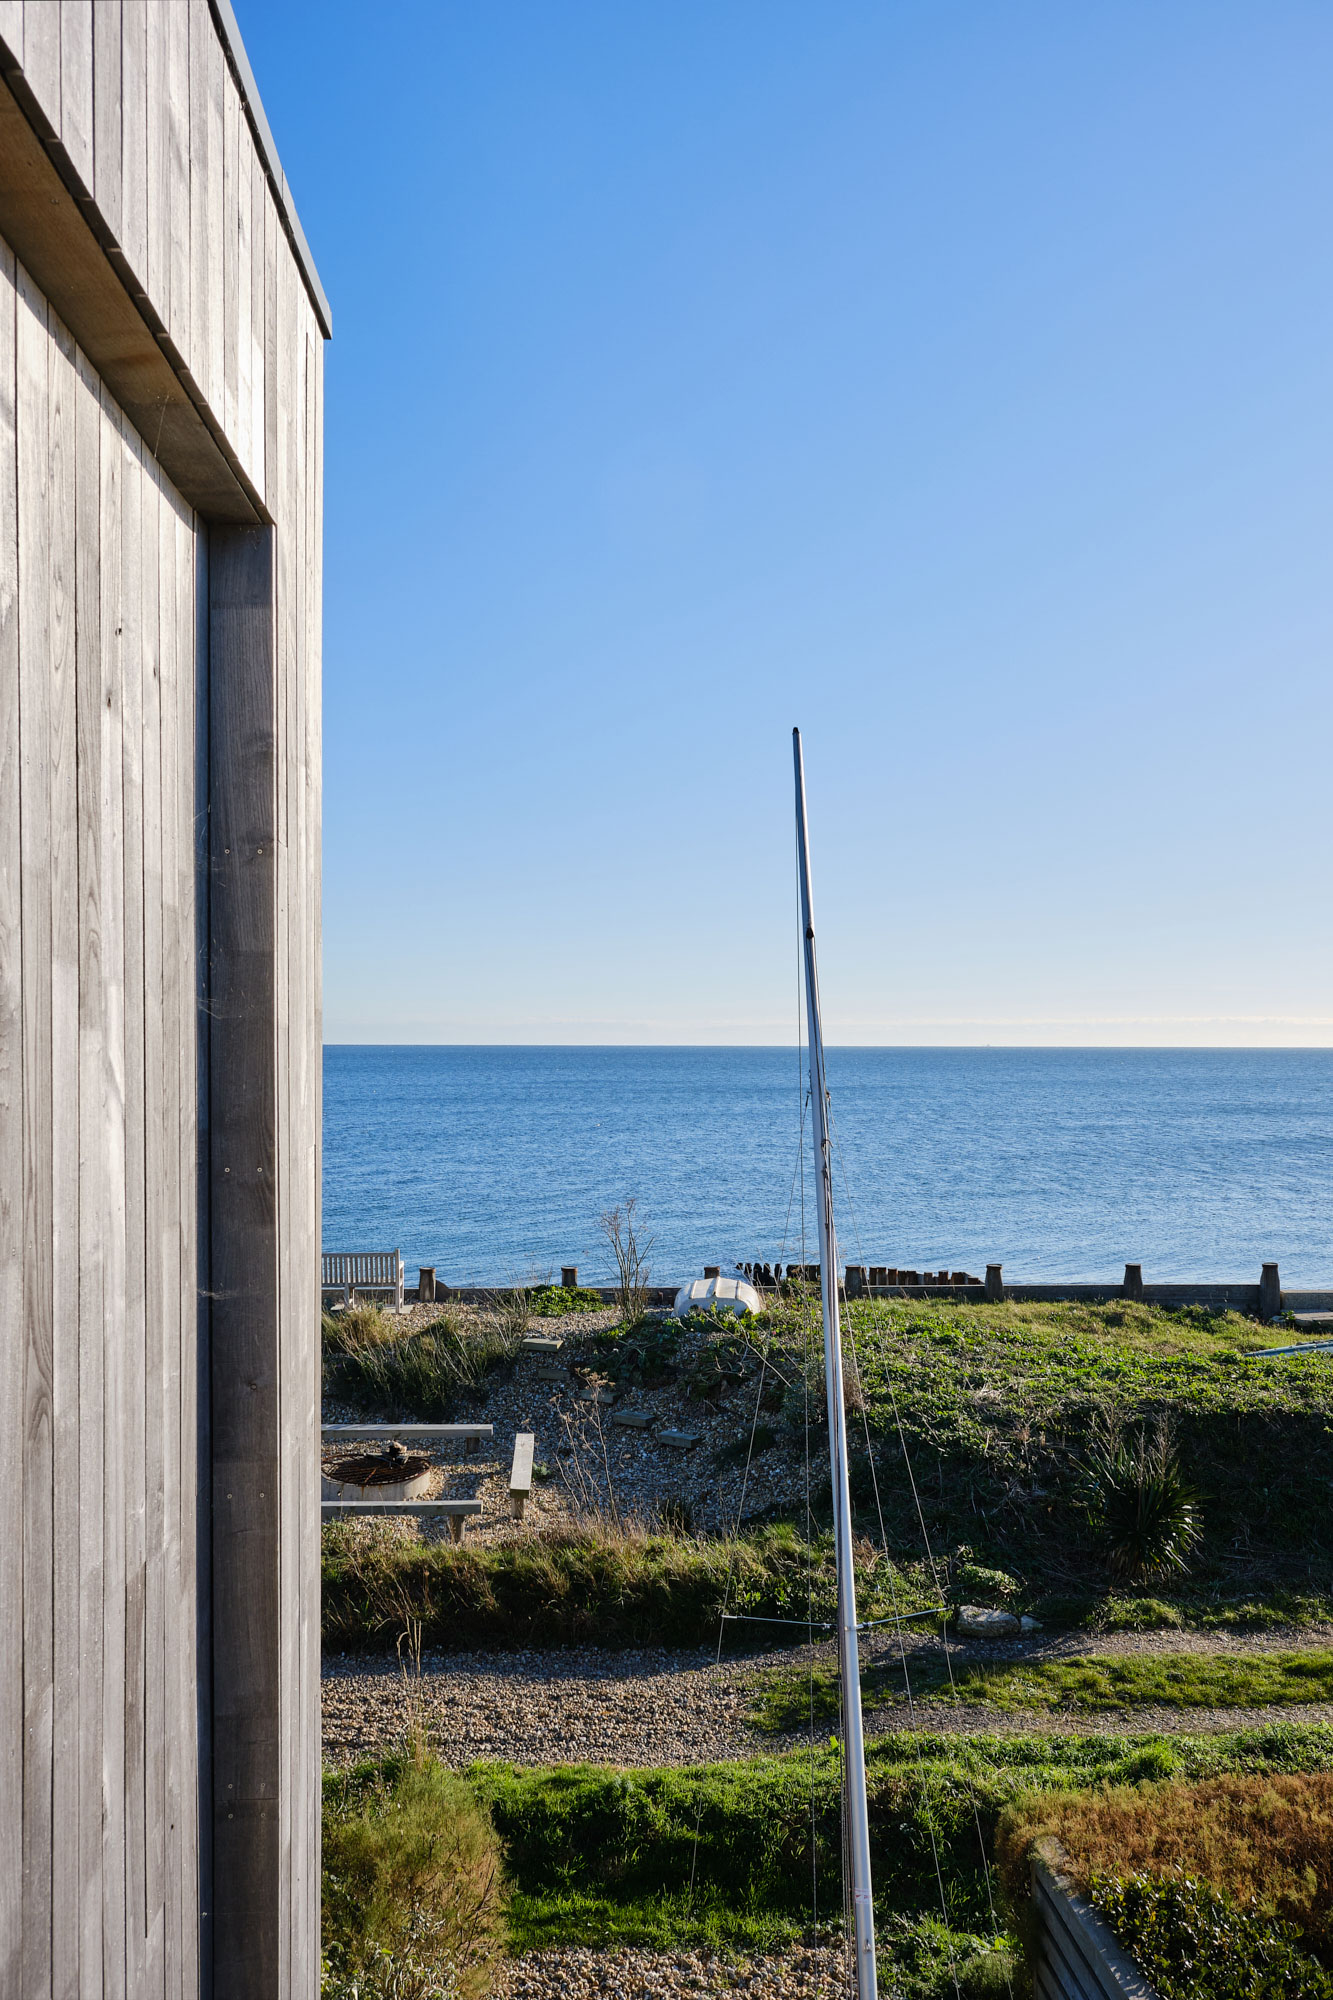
x=494, y=1163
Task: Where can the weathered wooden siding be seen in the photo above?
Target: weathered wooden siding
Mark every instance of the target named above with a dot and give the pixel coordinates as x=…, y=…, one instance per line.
x=126, y=947
x=98, y=1003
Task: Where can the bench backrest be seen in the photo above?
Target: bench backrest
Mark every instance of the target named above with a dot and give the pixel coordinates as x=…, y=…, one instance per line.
x=362, y=1267
x=370, y=1270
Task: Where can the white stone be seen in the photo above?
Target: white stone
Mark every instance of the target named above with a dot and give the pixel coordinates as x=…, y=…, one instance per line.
x=1030, y=1624
x=975, y=1622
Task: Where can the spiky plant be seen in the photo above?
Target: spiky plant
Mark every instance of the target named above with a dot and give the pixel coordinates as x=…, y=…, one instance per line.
x=1140, y=1503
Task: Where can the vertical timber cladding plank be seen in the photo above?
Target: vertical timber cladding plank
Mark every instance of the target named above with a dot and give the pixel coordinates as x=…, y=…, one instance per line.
x=107, y=162
x=165, y=1412
x=248, y=1707
x=290, y=365
x=203, y=1300
x=41, y=55
x=11, y=1174
x=92, y=1130
x=241, y=307
x=187, y=1136
x=214, y=156
x=157, y=281
x=32, y=343
x=157, y=1204
x=174, y=117
x=62, y=695
x=308, y=847
x=232, y=122
x=112, y=586
x=76, y=85
x=200, y=167
x=135, y=1287
x=134, y=135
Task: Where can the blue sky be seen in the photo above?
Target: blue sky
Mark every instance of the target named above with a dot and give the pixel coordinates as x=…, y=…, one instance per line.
x=951, y=377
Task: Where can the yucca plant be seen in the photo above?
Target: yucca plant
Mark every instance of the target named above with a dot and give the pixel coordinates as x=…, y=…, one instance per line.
x=1140, y=1503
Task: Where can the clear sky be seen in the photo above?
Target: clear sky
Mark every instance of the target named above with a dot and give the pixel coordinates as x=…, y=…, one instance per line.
x=952, y=377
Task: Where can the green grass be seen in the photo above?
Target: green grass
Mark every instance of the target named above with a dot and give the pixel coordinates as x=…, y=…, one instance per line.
x=998, y=1403
x=1088, y=1685
x=600, y=1856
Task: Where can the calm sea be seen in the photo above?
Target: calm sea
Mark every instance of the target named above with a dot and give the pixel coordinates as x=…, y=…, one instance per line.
x=494, y=1163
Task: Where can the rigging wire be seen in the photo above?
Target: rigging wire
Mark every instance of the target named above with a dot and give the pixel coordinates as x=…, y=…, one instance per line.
x=878, y=1327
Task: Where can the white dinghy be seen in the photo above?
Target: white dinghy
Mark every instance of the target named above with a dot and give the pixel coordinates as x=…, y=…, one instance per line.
x=723, y=1295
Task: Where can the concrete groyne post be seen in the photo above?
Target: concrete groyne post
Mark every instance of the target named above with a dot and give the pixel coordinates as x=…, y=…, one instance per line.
x=856, y=1280
x=712, y=1270
x=569, y=1277
x=995, y=1281
x=1133, y=1286
x=426, y=1285
x=1270, y=1292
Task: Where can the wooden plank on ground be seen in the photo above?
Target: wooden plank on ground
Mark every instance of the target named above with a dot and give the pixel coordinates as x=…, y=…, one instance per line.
x=11, y=1171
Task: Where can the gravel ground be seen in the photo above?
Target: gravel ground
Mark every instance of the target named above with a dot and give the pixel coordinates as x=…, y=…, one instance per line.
x=594, y=1463
x=660, y=1707
x=578, y=1974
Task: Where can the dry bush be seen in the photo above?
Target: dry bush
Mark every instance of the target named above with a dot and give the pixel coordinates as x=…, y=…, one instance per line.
x=413, y=1887
x=1265, y=1842
x=358, y=1329
x=621, y=1226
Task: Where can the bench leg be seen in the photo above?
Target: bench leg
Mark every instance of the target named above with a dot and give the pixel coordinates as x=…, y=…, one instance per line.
x=456, y=1525
x=470, y=1445
x=517, y=1502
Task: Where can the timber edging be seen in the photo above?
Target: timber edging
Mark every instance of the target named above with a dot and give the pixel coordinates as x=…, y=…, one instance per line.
x=1076, y=1956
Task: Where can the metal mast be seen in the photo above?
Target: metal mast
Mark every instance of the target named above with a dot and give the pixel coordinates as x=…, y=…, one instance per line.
x=849, y=1651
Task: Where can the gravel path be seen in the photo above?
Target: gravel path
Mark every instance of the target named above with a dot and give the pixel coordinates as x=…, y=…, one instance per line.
x=656, y=1707
x=812, y=1972
x=650, y=1707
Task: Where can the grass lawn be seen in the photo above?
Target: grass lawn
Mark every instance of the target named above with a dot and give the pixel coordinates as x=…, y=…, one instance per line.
x=746, y=1855
x=1096, y=1685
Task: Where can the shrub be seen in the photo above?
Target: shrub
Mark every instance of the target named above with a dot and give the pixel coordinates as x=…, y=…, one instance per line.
x=596, y=1585
x=1193, y=1943
x=1140, y=1502
x=413, y=1890
x=357, y=1329
x=558, y=1301
x=420, y=1375
x=1264, y=1842
x=620, y=1226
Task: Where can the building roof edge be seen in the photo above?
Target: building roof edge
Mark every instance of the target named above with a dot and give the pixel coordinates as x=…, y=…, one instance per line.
x=229, y=34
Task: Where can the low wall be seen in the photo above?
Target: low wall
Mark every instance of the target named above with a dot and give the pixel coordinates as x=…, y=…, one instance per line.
x=1075, y=1956
x=1234, y=1295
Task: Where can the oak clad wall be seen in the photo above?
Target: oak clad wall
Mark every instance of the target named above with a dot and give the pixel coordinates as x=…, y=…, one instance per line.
x=161, y=354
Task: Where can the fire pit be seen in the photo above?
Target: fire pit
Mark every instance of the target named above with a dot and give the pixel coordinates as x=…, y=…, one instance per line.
x=393, y=1474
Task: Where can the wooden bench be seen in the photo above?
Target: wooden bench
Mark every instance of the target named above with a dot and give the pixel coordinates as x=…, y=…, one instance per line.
x=456, y=1512
x=471, y=1435
x=520, y=1474
x=352, y=1271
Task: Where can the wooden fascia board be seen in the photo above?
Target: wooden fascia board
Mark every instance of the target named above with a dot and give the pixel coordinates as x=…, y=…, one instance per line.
x=56, y=230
